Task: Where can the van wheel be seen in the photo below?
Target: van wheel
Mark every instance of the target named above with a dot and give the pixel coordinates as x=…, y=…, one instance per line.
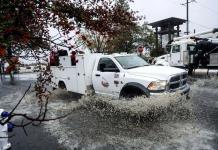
x=61, y=85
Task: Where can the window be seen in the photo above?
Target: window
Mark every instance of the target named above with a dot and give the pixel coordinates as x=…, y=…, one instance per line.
x=130, y=62
x=176, y=49
x=107, y=65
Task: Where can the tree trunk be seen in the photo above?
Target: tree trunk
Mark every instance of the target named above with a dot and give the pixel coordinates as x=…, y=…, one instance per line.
x=1, y=79
x=1, y=72
x=12, y=78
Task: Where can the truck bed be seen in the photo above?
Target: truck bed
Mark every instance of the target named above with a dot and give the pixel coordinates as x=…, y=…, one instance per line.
x=76, y=78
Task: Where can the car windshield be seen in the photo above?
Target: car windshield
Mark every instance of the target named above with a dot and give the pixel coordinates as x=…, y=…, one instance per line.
x=131, y=61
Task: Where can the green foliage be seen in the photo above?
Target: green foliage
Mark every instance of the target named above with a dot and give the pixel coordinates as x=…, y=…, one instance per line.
x=127, y=41
x=145, y=36
x=121, y=42
x=130, y=38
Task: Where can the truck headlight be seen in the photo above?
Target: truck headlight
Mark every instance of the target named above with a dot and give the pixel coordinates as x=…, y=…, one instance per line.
x=157, y=85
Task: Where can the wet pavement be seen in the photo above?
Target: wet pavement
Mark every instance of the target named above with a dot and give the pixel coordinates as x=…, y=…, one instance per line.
x=103, y=123
x=37, y=138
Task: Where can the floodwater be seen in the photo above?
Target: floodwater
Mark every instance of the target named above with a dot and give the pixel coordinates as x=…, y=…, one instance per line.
x=159, y=123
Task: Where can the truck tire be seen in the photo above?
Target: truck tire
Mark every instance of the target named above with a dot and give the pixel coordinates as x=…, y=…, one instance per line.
x=134, y=90
x=61, y=85
x=131, y=92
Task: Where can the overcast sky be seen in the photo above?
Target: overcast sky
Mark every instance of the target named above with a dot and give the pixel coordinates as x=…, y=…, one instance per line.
x=203, y=13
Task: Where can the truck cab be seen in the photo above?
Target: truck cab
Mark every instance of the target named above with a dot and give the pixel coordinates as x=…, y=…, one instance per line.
x=193, y=51
x=181, y=53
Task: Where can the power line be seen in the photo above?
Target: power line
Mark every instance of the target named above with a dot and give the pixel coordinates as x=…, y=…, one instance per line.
x=199, y=13
x=174, y=2
x=188, y=19
x=200, y=25
x=211, y=10
x=185, y=4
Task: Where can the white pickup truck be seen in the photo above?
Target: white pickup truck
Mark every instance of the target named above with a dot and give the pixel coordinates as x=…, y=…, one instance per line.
x=117, y=75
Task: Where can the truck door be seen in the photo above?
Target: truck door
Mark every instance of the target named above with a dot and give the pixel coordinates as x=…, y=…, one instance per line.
x=106, y=77
x=175, y=55
x=81, y=84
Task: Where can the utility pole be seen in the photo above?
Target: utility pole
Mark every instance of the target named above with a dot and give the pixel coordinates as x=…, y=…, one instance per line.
x=187, y=17
x=187, y=14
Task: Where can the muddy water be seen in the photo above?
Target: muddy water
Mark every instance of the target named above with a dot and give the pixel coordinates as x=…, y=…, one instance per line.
x=166, y=122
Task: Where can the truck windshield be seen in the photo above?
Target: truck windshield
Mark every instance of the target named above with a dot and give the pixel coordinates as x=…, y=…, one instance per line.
x=130, y=62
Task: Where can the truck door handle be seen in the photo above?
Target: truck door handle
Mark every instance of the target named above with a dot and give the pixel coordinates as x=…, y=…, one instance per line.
x=97, y=75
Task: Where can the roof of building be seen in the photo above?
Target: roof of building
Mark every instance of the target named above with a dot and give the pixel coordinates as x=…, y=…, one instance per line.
x=173, y=21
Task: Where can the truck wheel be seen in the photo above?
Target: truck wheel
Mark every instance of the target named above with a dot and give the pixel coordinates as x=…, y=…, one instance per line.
x=131, y=92
x=61, y=85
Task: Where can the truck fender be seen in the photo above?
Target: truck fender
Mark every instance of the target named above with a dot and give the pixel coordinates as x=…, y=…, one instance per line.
x=137, y=86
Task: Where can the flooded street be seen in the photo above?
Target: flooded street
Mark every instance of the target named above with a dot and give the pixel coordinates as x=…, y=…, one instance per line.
x=160, y=123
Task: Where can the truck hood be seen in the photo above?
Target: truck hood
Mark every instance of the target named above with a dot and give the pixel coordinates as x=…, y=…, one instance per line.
x=156, y=72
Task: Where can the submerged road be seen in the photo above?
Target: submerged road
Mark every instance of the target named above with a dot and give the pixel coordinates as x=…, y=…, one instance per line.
x=194, y=126
x=38, y=138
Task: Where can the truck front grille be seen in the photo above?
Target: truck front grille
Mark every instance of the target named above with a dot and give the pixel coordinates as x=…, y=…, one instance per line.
x=177, y=81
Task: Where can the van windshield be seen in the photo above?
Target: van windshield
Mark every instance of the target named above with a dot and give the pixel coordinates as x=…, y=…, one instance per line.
x=131, y=61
